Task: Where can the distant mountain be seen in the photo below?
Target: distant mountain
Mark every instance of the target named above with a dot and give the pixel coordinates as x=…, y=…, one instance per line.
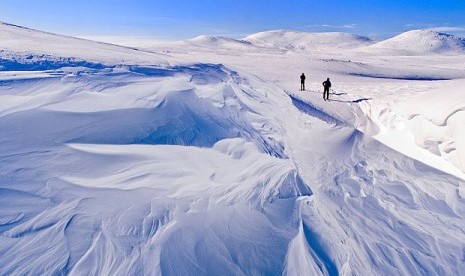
x=291, y=40
x=206, y=39
x=420, y=42
x=219, y=41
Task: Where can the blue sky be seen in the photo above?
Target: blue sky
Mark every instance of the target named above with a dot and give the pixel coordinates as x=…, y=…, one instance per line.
x=179, y=19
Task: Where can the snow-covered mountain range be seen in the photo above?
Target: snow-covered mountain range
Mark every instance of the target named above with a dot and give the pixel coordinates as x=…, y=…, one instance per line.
x=202, y=157
x=290, y=40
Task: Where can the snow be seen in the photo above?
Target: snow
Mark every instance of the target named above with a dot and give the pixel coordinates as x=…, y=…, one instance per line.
x=207, y=160
x=290, y=40
x=436, y=121
x=21, y=44
x=219, y=41
x=421, y=42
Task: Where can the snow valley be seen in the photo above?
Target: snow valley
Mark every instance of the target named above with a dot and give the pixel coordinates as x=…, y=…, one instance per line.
x=202, y=157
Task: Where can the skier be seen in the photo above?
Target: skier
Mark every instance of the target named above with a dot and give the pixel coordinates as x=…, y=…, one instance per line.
x=302, y=82
x=326, y=85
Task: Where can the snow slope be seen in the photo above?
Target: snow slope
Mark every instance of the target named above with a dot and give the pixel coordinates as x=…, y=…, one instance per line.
x=22, y=45
x=199, y=168
x=420, y=42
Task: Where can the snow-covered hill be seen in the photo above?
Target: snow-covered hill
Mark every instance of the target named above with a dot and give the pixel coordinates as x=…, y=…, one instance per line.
x=420, y=42
x=273, y=41
x=21, y=45
x=199, y=168
x=220, y=42
x=290, y=40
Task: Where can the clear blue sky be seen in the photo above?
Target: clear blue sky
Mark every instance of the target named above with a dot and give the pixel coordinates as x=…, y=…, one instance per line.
x=179, y=19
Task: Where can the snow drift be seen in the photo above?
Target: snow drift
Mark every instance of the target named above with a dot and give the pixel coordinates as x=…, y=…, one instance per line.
x=439, y=129
x=198, y=169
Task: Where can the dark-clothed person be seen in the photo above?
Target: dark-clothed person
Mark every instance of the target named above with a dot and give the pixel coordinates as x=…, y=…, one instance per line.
x=302, y=82
x=326, y=86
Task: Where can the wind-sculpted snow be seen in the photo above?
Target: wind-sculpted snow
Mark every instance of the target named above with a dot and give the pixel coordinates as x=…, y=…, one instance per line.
x=440, y=130
x=312, y=110
x=381, y=194
x=180, y=117
x=198, y=169
x=179, y=172
x=166, y=106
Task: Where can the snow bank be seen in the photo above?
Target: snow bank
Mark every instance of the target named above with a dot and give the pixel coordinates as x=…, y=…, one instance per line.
x=436, y=121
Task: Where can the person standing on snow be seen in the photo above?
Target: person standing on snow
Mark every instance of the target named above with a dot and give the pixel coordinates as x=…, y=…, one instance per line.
x=326, y=85
x=302, y=82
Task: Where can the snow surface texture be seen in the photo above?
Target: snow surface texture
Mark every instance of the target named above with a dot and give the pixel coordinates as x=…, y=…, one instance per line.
x=178, y=165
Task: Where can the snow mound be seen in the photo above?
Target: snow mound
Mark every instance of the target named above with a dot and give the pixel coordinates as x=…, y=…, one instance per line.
x=436, y=124
x=420, y=42
x=291, y=40
x=25, y=46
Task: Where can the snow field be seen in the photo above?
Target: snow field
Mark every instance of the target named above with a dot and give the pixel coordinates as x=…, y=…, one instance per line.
x=181, y=165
